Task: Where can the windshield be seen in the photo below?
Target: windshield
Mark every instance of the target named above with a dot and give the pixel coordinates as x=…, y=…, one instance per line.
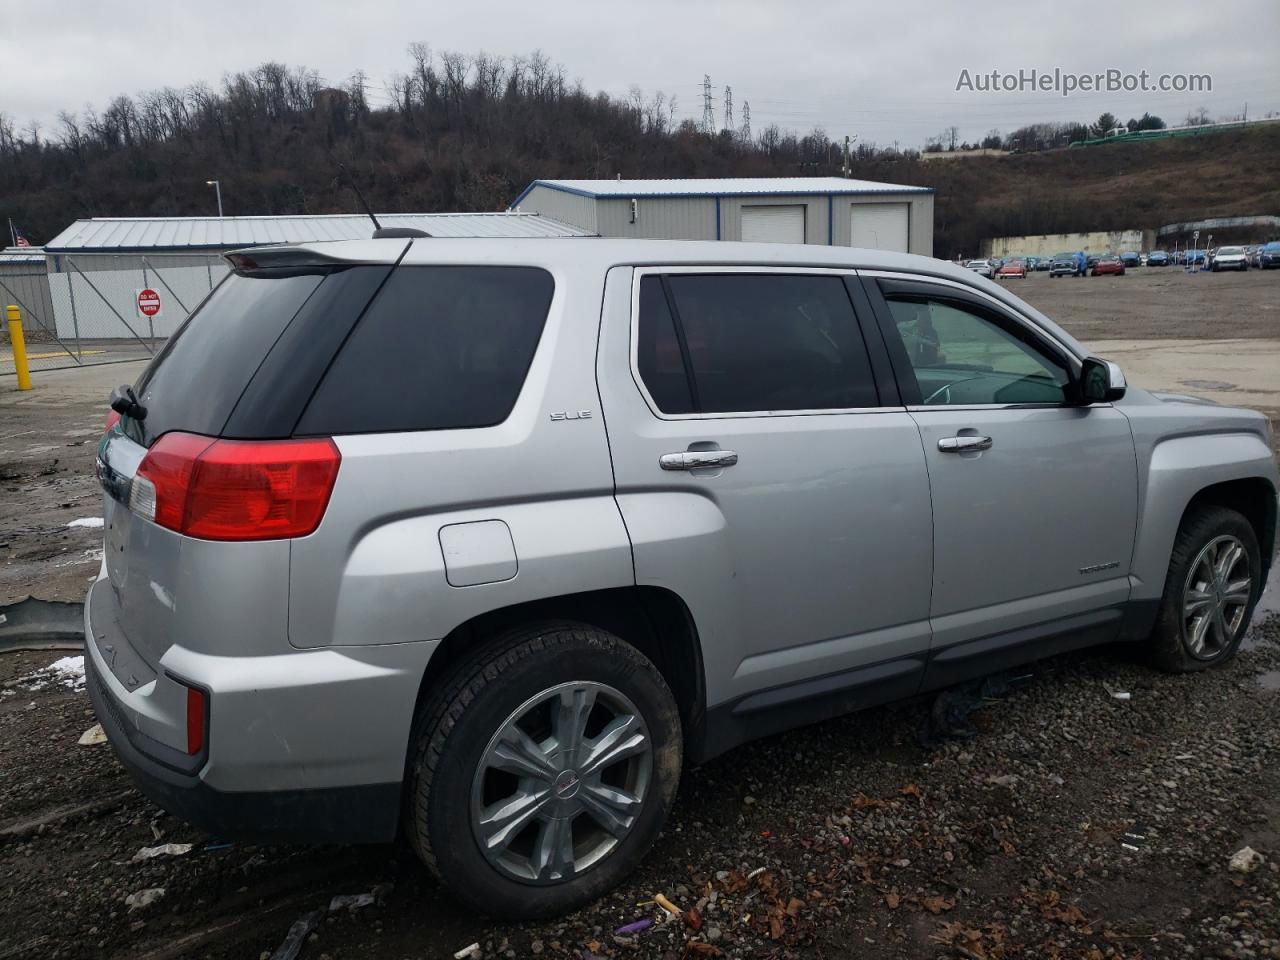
x=1230, y=251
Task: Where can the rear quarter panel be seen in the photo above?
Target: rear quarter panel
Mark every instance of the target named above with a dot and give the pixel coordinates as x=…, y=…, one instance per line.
x=374, y=571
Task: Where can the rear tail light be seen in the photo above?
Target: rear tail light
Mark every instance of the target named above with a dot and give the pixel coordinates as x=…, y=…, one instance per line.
x=236, y=489
x=197, y=709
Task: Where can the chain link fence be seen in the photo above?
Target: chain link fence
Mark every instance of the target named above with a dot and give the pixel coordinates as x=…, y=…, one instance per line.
x=104, y=308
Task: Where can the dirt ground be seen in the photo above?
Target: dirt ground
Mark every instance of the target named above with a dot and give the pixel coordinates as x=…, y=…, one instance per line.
x=1036, y=815
x=1158, y=303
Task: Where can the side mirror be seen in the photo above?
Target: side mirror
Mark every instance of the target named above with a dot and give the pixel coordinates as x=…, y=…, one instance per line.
x=1100, y=381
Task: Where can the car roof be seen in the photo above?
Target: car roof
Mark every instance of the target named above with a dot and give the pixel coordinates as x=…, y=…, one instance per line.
x=599, y=254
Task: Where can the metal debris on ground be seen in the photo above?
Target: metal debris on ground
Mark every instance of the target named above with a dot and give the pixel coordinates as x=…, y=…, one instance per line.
x=1134, y=838
x=351, y=901
x=163, y=850
x=297, y=936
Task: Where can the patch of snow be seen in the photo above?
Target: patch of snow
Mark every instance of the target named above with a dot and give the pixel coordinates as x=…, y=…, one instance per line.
x=67, y=672
x=94, y=522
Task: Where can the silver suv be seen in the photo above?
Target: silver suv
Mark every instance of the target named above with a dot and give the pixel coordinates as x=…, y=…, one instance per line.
x=482, y=541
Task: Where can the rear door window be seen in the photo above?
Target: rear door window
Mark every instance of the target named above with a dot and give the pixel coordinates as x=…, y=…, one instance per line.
x=751, y=343
x=439, y=348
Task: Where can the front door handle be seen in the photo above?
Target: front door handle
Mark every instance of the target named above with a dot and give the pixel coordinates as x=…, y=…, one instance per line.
x=698, y=460
x=963, y=444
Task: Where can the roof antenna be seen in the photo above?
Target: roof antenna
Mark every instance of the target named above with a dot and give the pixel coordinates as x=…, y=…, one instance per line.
x=379, y=231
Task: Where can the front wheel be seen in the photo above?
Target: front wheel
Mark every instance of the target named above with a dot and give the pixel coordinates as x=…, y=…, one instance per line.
x=542, y=770
x=1213, y=584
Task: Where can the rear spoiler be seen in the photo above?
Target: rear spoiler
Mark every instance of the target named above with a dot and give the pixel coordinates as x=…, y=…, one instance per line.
x=283, y=258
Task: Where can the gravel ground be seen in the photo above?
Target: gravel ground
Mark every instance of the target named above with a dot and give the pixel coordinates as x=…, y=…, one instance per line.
x=1038, y=817
x=1158, y=302
x=1055, y=820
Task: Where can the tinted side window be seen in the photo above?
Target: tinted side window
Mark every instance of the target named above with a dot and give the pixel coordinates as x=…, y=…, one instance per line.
x=769, y=342
x=959, y=355
x=439, y=348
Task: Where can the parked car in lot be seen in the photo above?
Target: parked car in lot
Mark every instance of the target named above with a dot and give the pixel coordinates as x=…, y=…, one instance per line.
x=1157, y=258
x=1230, y=258
x=1068, y=265
x=1012, y=268
x=1043, y=263
x=1108, y=266
x=1269, y=255
x=1195, y=257
x=983, y=268
x=1131, y=259
x=486, y=540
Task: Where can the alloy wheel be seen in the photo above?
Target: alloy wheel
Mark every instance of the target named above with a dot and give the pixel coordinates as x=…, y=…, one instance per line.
x=1216, y=597
x=562, y=782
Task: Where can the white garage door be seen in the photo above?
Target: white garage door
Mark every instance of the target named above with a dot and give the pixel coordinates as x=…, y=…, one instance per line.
x=879, y=226
x=781, y=224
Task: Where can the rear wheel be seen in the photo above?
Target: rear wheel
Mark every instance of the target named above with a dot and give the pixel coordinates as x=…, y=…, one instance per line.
x=1212, y=587
x=543, y=769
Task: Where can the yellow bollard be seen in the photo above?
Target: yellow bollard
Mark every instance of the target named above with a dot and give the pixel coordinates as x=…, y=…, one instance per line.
x=19, y=347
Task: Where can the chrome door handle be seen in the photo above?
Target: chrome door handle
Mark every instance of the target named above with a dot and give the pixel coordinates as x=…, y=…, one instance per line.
x=698, y=460
x=963, y=444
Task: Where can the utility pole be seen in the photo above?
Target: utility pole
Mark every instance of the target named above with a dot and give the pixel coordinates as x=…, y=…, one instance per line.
x=217, y=186
x=728, y=109
x=846, y=169
x=708, y=114
x=746, y=121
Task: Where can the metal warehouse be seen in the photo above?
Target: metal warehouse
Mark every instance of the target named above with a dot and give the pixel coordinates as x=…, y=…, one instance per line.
x=23, y=282
x=137, y=279
x=822, y=210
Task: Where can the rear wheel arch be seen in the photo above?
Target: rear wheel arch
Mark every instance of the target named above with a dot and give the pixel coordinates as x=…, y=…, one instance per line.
x=654, y=620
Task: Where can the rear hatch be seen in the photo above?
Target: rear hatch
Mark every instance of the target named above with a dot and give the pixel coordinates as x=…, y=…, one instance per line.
x=240, y=370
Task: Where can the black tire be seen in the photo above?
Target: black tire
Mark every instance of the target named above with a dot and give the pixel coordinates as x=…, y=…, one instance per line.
x=456, y=723
x=1199, y=527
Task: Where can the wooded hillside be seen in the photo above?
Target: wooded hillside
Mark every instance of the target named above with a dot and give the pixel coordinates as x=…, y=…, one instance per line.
x=457, y=132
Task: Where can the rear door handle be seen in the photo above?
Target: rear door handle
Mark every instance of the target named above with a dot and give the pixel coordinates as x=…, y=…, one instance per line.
x=963, y=444
x=698, y=459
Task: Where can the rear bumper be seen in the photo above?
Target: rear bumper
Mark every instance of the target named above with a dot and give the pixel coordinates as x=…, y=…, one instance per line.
x=273, y=769
x=359, y=814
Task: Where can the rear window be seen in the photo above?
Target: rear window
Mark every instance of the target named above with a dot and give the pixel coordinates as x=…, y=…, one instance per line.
x=439, y=348
x=195, y=381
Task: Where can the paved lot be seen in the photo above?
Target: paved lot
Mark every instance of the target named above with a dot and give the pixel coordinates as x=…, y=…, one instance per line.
x=1038, y=816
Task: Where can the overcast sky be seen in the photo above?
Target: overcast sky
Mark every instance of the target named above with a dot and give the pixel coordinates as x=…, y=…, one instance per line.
x=884, y=72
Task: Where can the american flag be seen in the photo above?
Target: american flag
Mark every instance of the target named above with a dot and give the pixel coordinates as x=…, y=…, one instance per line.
x=21, y=239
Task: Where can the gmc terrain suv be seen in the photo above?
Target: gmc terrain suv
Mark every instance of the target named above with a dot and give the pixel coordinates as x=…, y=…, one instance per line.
x=481, y=541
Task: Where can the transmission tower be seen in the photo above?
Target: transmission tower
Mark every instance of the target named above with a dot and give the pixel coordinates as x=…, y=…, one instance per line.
x=708, y=114
x=745, y=133
x=728, y=109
